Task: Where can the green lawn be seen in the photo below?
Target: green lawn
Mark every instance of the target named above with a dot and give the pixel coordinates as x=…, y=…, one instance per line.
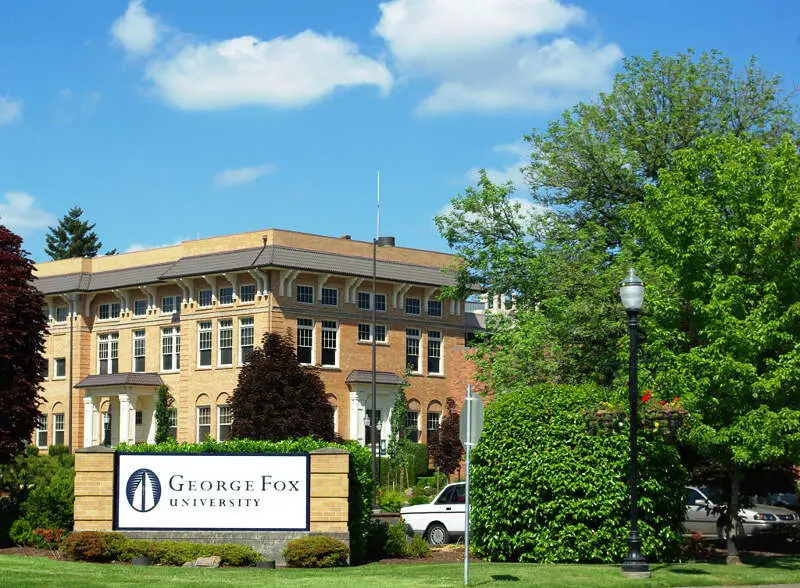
x=35, y=571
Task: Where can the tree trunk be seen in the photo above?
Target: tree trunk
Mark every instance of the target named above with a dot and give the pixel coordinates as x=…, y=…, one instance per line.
x=733, y=519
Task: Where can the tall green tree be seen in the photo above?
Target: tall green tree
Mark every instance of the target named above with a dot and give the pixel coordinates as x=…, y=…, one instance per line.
x=22, y=330
x=164, y=404
x=73, y=237
x=277, y=398
x=562, y=253
x=721, y=230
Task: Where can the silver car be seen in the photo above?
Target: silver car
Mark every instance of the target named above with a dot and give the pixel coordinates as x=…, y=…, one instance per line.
x=703, y=516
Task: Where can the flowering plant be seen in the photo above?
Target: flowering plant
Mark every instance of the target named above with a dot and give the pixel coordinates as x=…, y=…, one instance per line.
x=661, y=416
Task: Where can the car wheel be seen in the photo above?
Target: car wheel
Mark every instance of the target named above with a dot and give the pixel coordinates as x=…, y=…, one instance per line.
x=437, y=534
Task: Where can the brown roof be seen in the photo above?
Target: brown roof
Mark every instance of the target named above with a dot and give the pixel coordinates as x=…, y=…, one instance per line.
x=241, y=259
x=365, y=377
x=124, y=379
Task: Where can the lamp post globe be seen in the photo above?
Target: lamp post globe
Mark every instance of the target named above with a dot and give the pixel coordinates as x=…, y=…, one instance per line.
x=631, y=292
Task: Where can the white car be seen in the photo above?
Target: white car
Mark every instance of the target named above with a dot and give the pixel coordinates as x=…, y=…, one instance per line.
x=442, y=519
x=758, y=520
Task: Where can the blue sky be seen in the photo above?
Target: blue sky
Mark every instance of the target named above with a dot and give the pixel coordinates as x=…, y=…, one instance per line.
x=165, y=120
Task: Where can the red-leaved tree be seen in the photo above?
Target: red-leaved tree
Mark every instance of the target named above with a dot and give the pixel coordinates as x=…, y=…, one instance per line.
x=446, y=450
x=276, y=398
x=22, y=329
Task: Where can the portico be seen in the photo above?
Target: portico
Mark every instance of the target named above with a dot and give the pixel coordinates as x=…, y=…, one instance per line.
x=386, y=386
x=119, y=408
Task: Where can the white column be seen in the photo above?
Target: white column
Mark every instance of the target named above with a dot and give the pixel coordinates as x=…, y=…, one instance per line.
x=356, y=417
x=89, y=421
x=151, y=408
x=127, y=405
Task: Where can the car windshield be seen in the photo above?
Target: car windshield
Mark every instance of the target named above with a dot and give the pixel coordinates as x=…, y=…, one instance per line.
x=715, y=495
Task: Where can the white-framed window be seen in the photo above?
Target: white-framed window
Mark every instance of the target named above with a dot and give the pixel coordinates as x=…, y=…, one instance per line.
x=365, y=329
x=412, y=349
x=173, y=423
x=203, y=423
x=434, y=308
x=412, y=305
x=205, y=298
x=365, y=299
x=225, y=342
x=247, y=293
x=140, y=307
x=170, y=304
x=170, y=349
x=434, y=352
x=58, y=428
x=329, y=348
x=139, y=350
x=330, y=297
x=224, y=422
x=412, y=426
x=108, y=311
x=225, y=295
x=305, y=294
x=433, y=420
x=305, y=341
x=41, y=431
x=108, y=353
x=61, y=314
x=60, y=367
x=246, y=338
x=204, y=337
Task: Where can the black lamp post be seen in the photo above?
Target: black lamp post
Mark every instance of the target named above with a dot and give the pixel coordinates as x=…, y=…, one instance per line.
x=382, y=242
x=631, y=292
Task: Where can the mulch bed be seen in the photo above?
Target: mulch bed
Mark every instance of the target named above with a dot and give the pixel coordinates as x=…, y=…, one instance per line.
x=446, y=554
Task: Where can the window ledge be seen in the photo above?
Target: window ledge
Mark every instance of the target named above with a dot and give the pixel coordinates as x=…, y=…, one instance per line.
x=437, y=376
x=225, y=367
x=203, y=368
x=330, y=368
x=59, y=377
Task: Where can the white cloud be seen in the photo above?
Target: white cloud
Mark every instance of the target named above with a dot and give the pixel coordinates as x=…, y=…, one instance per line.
x=10, y=110
x=142, y=246
x=244, y=175
x=136, y=30
x=527, y=211
x=512, y=171
x=284, y=72
x=19, y=213
x=491, y=55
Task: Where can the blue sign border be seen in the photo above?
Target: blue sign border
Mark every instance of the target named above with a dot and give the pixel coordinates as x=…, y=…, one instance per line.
x=115, y=517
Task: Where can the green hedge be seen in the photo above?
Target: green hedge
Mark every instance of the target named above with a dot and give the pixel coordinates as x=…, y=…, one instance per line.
x=316, y=551
x=105, y=547
x=360, y=473
x=545, y=490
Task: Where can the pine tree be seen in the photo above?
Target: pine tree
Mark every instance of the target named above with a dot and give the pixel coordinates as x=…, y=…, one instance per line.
x=22, y=329
x=73, y=237
x=276, y=398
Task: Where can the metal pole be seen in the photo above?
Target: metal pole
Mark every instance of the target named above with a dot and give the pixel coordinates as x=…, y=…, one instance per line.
x=468, y=444
x=634, y=563
x=373, y=420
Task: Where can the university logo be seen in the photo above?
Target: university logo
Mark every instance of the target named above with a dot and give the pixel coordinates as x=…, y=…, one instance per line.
x=143, y=490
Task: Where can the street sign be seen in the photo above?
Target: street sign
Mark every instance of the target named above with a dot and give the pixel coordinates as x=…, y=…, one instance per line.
x=471, y=420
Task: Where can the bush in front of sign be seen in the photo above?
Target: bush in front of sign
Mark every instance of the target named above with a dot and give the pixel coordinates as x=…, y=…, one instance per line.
x=316, y=551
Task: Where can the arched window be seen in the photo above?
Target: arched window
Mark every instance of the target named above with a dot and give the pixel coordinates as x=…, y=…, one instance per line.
x=203, y=412
x=334, y=403
x=411, y=425
x=433, y=420
x=224, y=417
x=58, y=424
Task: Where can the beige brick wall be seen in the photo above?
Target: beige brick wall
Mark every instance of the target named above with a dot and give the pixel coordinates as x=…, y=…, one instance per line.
x=94, y=489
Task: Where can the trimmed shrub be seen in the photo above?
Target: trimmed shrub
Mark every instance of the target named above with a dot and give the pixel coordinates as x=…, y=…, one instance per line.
x=390, y=500
x=22, y=533
x=396, y=539
x=56, y=450
x=360, y=483
x=545, y=490
x=316, y=551
x=417, y=547
x=377, y=534
x=93, y=546
x=105, y=547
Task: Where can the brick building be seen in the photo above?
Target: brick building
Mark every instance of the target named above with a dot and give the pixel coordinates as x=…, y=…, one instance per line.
x=188, y=315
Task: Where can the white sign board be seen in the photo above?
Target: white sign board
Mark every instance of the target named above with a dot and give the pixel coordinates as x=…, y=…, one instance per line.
x=202, y=492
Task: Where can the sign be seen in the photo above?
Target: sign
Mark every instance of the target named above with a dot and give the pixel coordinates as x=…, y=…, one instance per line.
x=251, y=492
x=471, y=419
